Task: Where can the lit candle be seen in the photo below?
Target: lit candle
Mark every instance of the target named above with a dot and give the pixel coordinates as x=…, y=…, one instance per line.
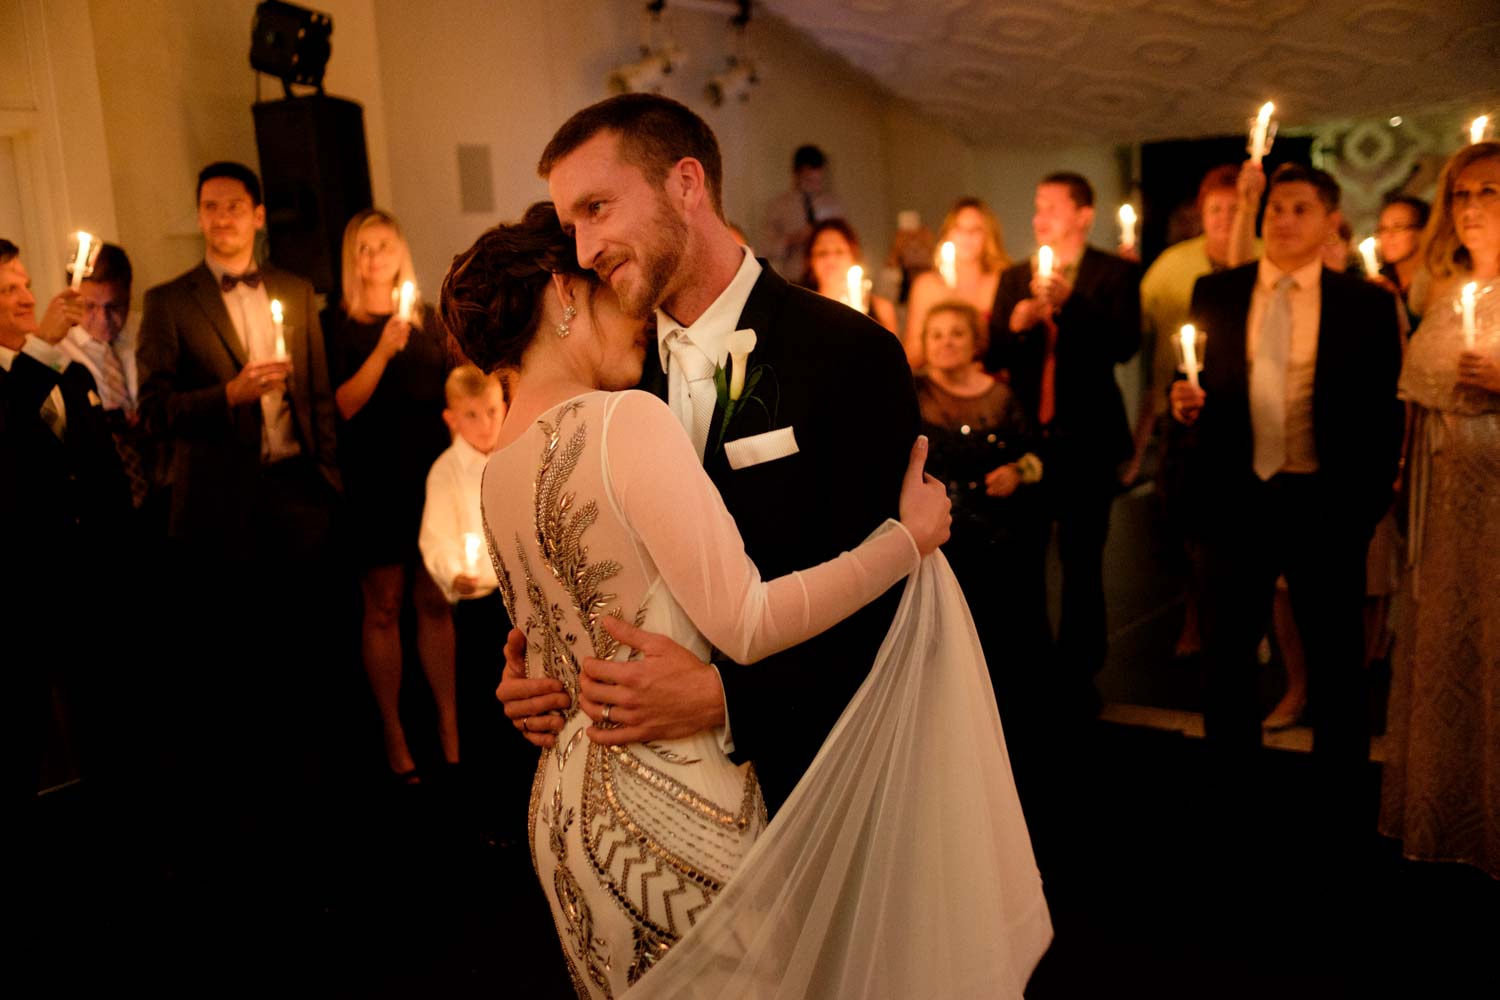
x=408, y=296
x=948, y=264
x=80, y=268
x=1467, y=298
x=277, y=325
x=1259, y=133
x=856, y=284
x=1367, y=251
x=472, y=546
x=1189, y=338
x=1127, y=226
x=1044, y=262
x=1477, y=129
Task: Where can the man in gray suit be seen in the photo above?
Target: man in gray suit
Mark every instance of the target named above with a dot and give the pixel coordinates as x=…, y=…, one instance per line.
x=234, y=381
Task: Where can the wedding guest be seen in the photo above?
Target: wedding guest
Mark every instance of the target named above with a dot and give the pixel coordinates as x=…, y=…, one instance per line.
x=1060, y=337
x=65, y=501
x=104, y=342
x=457, y=558
x=1398, y=236
x=1166, y=292
x=979, y=257
x=249, y=419
x=1291, y=447
x=792, y=214
x=388, y=373
x=981, y=448
x=1441, y=777
x=832, y=249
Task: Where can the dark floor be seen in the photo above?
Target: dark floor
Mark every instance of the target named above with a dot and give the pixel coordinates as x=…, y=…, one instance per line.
x=1162, y=881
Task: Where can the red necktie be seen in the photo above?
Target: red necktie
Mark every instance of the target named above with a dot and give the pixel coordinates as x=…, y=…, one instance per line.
x=1047, y=404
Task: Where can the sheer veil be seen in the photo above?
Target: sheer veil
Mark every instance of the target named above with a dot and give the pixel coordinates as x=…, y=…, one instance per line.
x=901, y=865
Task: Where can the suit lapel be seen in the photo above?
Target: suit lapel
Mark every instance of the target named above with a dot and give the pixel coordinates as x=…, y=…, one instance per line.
x=653, y=379
x=211, y=300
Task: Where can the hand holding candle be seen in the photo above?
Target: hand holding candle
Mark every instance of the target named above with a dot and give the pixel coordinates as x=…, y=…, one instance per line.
x=1466, y=300
x=279, y=327
x=1262, y=132
x=1367, y=254
x=1127, y=226
x=948, y=264
x=408, y=297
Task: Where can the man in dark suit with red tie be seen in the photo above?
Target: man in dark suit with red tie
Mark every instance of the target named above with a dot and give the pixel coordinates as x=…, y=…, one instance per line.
x=63, y=502
x=1290, y=447
x=242, y=401
x=1060, y=336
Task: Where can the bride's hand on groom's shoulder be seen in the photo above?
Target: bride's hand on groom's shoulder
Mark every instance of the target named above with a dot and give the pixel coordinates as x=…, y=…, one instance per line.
x=926, y=511
x=667, y=694
x=533, y=705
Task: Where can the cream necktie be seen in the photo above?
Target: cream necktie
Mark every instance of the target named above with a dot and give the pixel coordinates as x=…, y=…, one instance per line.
x=1268, y=381
x=697, y=373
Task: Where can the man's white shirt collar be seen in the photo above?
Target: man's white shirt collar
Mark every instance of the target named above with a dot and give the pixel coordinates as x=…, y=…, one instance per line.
x=718, y=320
x=468, y=455
x=1306, y=276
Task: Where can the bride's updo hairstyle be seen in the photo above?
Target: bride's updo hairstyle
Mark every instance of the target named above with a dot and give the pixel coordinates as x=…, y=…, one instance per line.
x=493, y=294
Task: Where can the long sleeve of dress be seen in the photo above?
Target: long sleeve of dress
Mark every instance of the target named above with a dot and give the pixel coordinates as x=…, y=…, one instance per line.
x=662, y=492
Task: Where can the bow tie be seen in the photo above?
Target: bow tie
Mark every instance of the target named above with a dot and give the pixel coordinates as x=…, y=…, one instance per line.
x=250, y=278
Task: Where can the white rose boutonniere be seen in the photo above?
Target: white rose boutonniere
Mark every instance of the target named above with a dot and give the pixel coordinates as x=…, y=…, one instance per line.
x=739, y=344
x=736, y=386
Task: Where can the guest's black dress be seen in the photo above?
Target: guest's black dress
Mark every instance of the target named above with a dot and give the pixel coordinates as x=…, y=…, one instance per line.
x=998, y=544
x=387, y=447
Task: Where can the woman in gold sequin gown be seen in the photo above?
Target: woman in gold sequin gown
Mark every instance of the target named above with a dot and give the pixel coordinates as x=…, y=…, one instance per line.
x=1441, y=781
x=596, y=504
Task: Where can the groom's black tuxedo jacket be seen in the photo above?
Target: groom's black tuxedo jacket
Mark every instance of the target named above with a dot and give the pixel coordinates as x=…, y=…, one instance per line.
x=841, y=382
x=1357, y=420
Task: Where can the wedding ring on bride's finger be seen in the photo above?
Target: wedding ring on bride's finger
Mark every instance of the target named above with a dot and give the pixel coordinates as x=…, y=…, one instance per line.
x=606, y=713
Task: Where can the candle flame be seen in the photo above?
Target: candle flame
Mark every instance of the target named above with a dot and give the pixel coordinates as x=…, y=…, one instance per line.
x=276, y=314
x=1477, y=130
x=1044, y=261
x=1367, y=251
x=472, y=543
x=408, y=296
x=856, y=283
x=1127, y=214
x=1469, y=291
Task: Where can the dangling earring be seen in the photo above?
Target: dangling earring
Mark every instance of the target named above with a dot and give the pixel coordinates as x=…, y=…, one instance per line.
x=562, y=328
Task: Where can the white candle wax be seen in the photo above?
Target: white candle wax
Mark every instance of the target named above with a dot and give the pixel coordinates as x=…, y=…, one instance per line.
x=1189, y=337
x=856, y=285
x=279, y=327
x=1258, y=136
x=1044, y=262
x=1127, y=225
x=81, y=262
x=948, y=264
x=1477, y=129
x=408, y=296
x=1467, y=298
x=1367, y=251
x=472, y=546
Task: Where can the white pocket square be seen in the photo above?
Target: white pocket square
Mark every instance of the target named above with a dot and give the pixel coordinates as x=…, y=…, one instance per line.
x=759, y=448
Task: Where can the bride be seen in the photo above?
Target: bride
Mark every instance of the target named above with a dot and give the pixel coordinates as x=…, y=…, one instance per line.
x=596, y=505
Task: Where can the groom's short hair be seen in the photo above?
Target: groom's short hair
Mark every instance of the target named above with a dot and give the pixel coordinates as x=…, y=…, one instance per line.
x=655, y=133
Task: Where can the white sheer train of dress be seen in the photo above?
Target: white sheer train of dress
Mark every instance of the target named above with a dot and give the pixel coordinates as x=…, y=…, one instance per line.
x=891, y=864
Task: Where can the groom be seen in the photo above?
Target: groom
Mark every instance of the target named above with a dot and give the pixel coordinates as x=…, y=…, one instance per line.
x=809, y=462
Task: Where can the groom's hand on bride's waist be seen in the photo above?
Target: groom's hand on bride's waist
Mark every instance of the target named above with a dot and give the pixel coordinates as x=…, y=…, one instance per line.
x=533, y=705
x=666, y=694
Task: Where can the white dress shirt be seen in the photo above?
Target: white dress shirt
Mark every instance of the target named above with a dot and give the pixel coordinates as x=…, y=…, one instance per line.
x=48, y=355
x=707, y=334
x=1302, y=358
x=250, y=311
x=451, y=512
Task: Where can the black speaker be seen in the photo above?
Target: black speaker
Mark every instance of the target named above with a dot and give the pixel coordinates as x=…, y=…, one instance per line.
x=316, y=175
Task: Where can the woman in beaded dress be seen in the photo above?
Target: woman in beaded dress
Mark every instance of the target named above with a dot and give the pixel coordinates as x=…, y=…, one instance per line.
x=1441, y=779
x=584, y=509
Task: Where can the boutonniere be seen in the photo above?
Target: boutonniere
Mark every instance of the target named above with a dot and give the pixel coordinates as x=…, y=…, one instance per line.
x=1030, y=468
x=736, y=385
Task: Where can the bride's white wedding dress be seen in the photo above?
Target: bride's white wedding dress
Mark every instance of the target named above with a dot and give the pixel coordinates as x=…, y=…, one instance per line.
x=901, y=856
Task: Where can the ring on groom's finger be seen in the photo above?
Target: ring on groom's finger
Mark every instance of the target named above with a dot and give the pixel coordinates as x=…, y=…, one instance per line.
x=526, y=723
x=606, y=713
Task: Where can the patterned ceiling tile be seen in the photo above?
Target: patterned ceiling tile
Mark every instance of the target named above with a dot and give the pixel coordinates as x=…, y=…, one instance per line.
x=1391, y=20
x=1243, y=14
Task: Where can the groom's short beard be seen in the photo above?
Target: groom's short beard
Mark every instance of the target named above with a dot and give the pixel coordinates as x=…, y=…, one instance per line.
x=660, y=259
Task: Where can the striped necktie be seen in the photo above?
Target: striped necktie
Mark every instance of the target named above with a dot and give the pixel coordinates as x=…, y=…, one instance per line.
x=1268, y=381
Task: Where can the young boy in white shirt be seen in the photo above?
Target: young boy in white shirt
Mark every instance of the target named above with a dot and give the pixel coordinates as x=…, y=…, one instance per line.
x=456, y=555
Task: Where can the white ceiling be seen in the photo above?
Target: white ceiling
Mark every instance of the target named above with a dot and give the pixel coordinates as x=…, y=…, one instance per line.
x=1071, y=71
